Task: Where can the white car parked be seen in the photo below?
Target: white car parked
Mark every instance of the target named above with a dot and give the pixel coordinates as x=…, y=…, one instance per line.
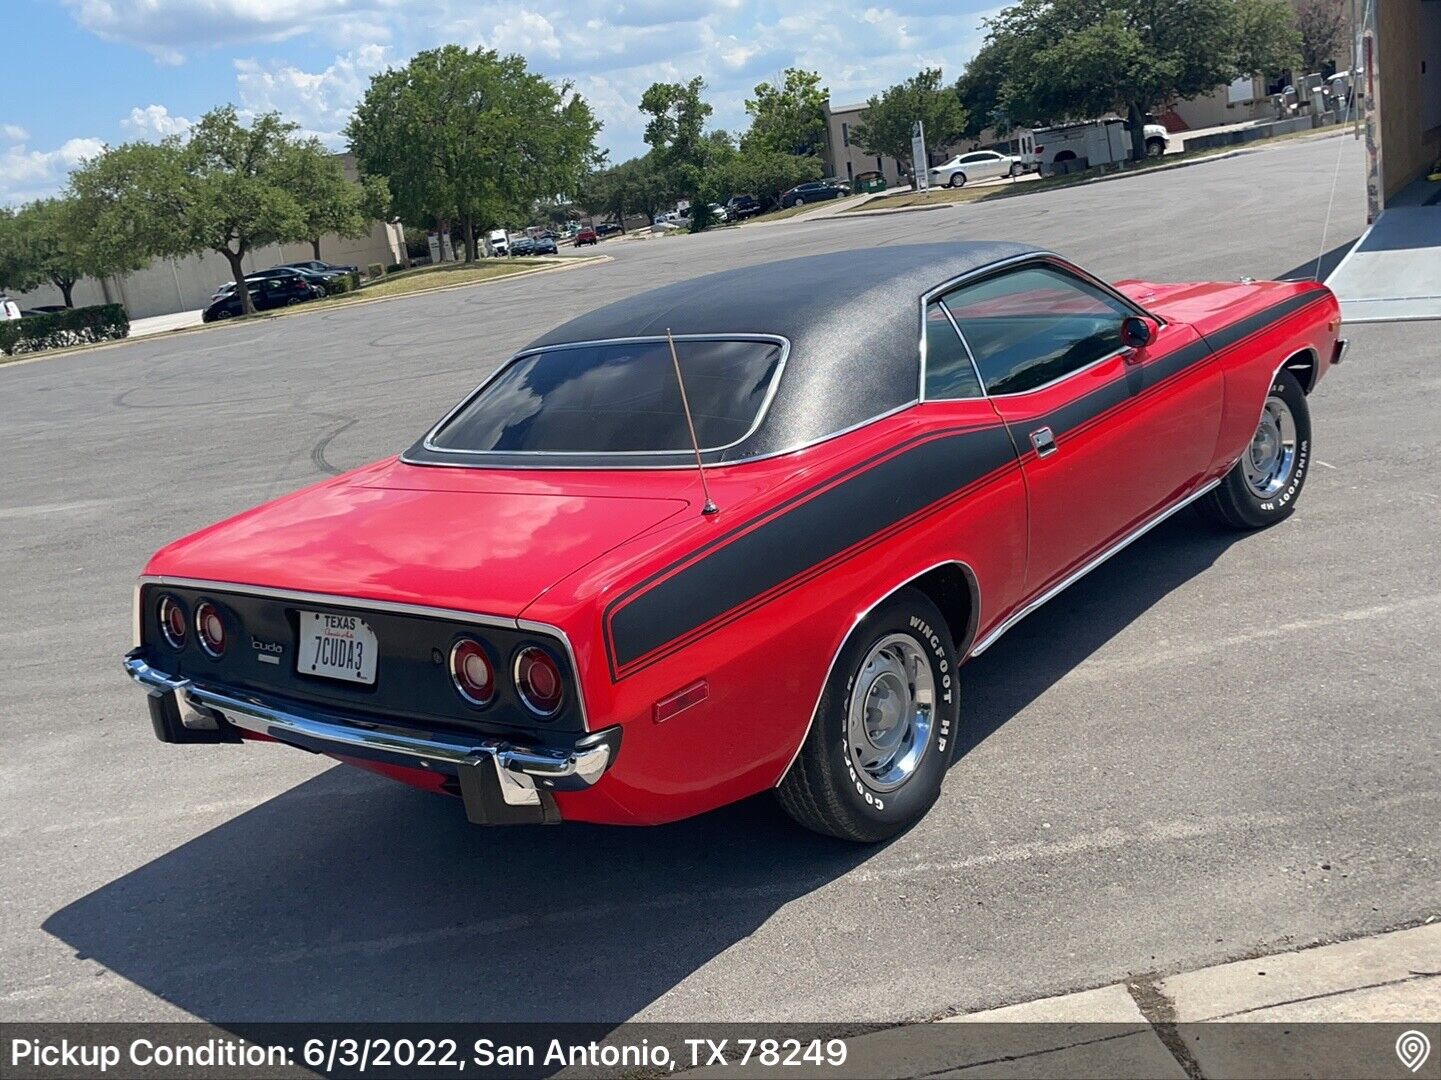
x=976, y=165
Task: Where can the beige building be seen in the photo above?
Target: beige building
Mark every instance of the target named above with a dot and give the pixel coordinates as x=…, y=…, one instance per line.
x=845, y=160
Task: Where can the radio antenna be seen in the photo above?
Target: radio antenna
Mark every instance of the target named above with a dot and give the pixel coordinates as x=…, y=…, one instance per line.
x=709, y=507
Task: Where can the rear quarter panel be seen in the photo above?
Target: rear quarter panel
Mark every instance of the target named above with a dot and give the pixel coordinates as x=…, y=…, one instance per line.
x=766, y=659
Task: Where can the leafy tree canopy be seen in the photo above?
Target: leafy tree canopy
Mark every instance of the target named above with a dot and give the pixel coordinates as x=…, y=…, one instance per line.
x=1077, y=59
x=330, y=202
x=53, y=241
x=680, y=149
x=470, y=135
x=226, y=188
x=885, y=126
x=788, y=117
x=1322, y=26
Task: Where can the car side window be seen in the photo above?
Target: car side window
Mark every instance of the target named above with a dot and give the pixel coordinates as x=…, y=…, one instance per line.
x=1034, y=325
x=949, y=372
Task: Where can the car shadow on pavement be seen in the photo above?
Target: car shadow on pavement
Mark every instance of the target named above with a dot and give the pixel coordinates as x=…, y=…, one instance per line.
x=1038, y=651
x=351, y=897
x=354, y=898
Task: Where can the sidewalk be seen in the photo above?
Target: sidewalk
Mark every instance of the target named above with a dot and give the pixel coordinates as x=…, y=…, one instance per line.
x=1246, y=1018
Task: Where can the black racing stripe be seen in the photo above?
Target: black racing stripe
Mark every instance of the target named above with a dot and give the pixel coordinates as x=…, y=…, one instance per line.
x=812, y=532
x=1229, y=335
x=1118, y=391
x=742, y=565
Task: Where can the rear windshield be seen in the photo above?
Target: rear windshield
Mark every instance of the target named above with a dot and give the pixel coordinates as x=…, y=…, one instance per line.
x=617, y=397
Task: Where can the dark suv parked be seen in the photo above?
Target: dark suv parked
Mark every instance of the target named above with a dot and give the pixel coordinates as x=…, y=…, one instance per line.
x=742, y=206
x=270, y=291
x=815, y=191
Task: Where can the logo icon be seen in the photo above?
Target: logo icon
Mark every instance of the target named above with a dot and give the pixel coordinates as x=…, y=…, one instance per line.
x=267, y=652
x=1413, y=1048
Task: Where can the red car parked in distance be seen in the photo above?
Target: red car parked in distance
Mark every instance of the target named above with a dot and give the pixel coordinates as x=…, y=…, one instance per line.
x=546, y=608
x=587, y=236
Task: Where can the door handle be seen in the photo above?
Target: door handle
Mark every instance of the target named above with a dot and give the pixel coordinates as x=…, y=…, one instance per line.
x=1044, y=442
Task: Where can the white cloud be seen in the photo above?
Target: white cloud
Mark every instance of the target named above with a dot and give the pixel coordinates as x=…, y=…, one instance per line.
x=27, y=174
x=155, y=121
x=14, y=133
x=610, y=49
x=319, y=101
x=167, y=29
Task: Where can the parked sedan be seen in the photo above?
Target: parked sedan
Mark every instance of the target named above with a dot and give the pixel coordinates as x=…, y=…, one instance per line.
x=527, y=245
x=976, y=165
x=267, y=291
x=814, y=191
x=321, y=267
x=548, y=609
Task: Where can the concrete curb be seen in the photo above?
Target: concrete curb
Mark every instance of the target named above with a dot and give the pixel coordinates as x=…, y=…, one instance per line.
x=1393, y=977
x=301, y=310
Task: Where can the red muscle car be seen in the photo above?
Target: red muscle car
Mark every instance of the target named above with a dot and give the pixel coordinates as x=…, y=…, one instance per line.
x=739, y=533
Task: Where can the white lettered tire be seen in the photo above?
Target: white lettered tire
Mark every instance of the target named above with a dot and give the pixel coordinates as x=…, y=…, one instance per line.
x=884, y=732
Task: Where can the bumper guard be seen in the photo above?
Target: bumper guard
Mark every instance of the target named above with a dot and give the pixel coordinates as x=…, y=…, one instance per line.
x=500, y=783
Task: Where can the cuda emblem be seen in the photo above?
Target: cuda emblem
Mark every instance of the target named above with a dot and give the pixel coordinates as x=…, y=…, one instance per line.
x=267, y=652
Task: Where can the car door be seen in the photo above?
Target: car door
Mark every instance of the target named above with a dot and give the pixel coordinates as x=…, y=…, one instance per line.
x=988, y=165
x=1109, y=437
x=988, y=528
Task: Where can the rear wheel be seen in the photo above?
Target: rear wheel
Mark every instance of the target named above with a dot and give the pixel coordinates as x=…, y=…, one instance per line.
x=873, y=761
x=1016, y=169
x=957, y=180
x=1261, y=489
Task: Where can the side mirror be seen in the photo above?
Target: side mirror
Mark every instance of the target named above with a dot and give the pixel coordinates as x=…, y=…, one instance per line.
x=1136, y=332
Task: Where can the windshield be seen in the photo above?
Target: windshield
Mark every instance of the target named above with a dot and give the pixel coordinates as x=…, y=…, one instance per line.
x=618, y=397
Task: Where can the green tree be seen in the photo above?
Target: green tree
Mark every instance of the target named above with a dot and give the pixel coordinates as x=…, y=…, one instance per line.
x=979, y=89
x=885, y=126
x=766, y=174
x=471, y=136
x=1323, y=28
x=1074, y=59
x=330, y=202
x=227, y=188
x=52, y=240
x=788, y=117
x=679, y=148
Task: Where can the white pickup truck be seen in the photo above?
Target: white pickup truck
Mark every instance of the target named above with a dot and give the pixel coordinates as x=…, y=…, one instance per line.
x=1097, y=142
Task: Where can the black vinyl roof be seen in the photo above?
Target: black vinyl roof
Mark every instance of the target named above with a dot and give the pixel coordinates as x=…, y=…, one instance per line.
x=852, y=319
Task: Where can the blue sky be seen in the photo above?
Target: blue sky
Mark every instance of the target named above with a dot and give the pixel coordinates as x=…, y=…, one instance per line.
x=83, y=73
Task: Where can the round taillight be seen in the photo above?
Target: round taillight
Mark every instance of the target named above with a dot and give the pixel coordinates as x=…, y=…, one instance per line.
x=472, y=672
x=210, y=628
x=539, y=681
x=172, y=622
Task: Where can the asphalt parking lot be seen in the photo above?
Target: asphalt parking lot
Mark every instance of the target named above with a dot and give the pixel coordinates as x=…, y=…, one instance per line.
x=1217, y=744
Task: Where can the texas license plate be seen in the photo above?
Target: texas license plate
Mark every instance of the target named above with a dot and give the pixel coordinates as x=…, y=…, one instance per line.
x=337, y=647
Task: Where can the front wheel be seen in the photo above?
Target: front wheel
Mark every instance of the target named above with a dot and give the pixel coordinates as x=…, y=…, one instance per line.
x=883, y=733
x=1016, y=169
x=1261, y=488
x=1155, y=148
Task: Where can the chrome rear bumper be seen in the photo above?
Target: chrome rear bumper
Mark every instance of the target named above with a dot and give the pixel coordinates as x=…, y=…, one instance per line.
x=523, y=776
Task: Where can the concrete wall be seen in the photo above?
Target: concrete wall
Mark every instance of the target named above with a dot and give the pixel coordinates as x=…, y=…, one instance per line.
x=170, y=285
x=1408, y=88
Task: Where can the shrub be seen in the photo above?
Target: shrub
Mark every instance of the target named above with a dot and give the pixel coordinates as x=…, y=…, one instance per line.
x=395, y=268
x=337, y=285
x=57, y=330
x=374, y=270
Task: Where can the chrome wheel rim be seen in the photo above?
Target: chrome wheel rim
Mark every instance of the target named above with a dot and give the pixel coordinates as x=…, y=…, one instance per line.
x=1268, y=461
x=891, y=709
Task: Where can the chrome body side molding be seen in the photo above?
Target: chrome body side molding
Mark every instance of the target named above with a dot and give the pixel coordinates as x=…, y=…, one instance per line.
x=1076, y=575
